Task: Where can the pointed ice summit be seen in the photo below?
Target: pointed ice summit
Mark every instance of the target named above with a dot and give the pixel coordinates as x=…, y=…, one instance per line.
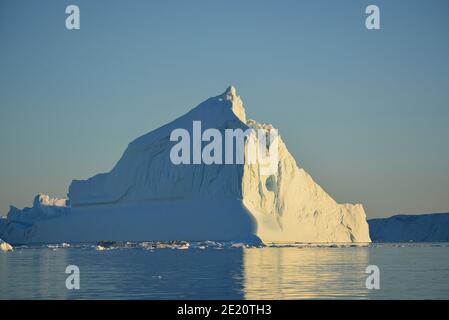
x=147, y=197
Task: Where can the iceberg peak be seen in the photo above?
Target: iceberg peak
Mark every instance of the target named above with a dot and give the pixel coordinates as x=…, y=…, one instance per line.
x=236, y=103
x=231, y=91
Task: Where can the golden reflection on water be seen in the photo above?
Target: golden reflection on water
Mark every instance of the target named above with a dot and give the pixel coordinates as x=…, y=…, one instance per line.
x=305, y=273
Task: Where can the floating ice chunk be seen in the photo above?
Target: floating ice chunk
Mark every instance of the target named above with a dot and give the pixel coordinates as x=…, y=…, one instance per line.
x=4, y=246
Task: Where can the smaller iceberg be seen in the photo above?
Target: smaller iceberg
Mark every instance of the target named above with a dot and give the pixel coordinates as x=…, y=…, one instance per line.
x=432, y=227
x=4, y=246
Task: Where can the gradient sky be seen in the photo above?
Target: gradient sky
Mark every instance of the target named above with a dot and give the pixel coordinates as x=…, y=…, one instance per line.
x=366, y=113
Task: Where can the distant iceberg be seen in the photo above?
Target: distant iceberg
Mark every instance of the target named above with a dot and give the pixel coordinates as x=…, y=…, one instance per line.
x=146, y=197
x=406, y=228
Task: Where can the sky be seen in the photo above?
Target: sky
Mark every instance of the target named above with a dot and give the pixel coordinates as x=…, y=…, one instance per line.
x=365, y=112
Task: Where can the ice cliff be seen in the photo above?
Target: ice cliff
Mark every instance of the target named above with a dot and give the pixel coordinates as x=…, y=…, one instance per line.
x=147, y=197
x=406, y=228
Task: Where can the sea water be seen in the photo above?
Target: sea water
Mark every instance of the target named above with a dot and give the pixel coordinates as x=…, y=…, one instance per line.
x=215, y=270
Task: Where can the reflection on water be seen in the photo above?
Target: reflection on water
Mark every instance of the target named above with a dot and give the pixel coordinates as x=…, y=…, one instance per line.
x=223, y=272
x=304, y=273
x=122, y=273
x=33, y=273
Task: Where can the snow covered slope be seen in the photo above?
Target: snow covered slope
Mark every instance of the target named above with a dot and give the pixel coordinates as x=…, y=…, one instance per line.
x=145, y=172
x=416, y=228
x=147, y=197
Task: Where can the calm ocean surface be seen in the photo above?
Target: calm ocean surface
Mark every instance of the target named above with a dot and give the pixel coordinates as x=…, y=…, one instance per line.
x=212, y=270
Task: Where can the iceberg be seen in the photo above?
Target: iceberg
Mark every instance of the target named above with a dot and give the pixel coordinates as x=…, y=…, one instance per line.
x=4, y=246
x=411, y=228
x=146, y=197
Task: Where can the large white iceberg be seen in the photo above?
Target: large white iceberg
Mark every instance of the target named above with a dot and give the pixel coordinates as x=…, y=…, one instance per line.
x=147, y=197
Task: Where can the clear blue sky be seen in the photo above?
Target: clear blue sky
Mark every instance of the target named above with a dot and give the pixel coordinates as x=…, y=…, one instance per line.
x=365, y=112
